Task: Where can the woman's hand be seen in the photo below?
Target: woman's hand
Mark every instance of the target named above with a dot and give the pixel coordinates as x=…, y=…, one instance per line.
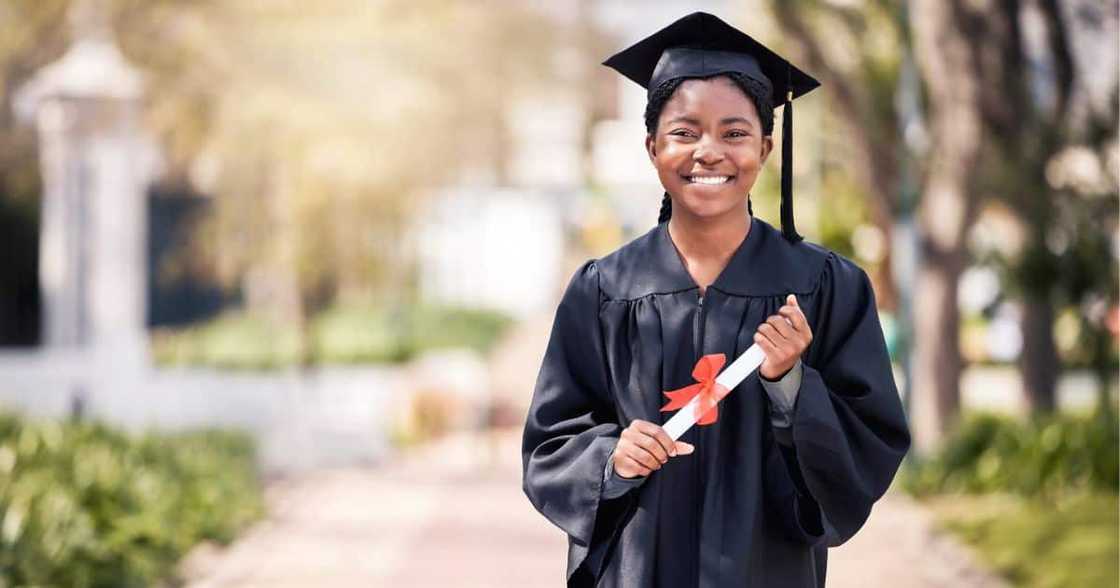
x=783, y=337
x=643, y=448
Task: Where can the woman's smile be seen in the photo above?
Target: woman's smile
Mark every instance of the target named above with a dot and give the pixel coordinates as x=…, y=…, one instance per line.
x=706, y=180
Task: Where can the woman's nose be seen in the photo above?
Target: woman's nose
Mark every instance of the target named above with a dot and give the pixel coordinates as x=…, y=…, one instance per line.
x=706, y=153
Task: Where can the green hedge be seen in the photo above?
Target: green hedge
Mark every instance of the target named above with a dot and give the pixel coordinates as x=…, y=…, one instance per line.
x=340, y=335
x=1044, y=457
x=1070, y=542
x=1037, y=499
x=85, y=505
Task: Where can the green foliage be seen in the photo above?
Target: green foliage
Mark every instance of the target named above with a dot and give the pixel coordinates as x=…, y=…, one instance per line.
x=1046, y=457
x=85, y=505
x=339, y=335
x=1037, y=499
x=439, y=328
x=358, y=334
x=1070, y=542
x=238, y=341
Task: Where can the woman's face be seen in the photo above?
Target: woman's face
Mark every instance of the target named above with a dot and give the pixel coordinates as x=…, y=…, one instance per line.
x=708, y=148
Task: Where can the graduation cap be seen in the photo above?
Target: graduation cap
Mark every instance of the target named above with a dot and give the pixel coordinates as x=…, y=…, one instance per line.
x=701, y=45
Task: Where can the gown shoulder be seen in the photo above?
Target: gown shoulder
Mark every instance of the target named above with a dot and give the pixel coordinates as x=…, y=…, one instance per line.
x=765, y=264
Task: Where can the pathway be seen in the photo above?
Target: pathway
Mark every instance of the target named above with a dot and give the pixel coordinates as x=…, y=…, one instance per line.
x=411, y=524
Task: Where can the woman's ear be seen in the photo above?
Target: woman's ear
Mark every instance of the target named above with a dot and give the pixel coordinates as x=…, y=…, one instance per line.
x=767, y=147
x=651, y=147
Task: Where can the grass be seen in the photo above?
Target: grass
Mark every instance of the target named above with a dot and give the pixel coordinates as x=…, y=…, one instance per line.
x=1072, y=541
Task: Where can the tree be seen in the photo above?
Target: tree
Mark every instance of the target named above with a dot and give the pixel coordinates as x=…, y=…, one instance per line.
x=1039, y=109
x=862, y=74
x=861, y=88
x=943, y=34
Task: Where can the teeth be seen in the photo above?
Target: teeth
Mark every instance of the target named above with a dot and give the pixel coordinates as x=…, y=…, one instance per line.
x=711, y=180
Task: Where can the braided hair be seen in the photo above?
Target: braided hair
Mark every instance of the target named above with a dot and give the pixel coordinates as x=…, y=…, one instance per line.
x=754, y=90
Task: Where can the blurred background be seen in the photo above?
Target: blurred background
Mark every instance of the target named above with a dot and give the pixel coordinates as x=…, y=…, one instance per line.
x=276, y=277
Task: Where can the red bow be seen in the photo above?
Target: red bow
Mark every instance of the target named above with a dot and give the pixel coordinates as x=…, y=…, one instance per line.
x=710, y=392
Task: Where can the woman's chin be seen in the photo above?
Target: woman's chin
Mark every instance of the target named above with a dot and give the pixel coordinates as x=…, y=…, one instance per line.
x=706, y=208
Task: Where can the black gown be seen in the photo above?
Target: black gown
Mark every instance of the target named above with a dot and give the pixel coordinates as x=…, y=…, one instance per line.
x=755, y=505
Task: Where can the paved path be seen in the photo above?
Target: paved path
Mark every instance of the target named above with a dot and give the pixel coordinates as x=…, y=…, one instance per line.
x=410, y=524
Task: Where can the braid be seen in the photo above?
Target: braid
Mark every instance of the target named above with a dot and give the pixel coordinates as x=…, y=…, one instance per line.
x=666, y=209
x=758, y=93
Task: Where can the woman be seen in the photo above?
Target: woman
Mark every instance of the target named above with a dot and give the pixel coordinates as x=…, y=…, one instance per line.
x=801, y=449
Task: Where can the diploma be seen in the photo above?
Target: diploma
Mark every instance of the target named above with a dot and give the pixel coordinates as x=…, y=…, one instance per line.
x=693, y=411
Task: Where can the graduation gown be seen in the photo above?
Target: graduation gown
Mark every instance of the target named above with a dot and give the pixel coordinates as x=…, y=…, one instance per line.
x=755, y=505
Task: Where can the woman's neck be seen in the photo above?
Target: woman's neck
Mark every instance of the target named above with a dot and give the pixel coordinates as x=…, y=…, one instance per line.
x=706, y=245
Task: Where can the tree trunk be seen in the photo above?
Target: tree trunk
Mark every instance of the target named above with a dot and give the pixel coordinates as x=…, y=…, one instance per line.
x=946, y=211
x=1102, y=367
x=935, y=401
x=1038, y=363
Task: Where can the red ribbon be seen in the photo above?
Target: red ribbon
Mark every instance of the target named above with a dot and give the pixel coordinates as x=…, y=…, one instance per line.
x=710, y=392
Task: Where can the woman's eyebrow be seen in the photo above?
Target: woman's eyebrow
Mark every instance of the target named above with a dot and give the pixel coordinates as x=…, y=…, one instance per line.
x=688, y=120
x=736, y=120
x=731, y=120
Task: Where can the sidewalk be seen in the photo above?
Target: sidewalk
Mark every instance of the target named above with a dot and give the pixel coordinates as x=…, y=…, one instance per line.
x=407, y=524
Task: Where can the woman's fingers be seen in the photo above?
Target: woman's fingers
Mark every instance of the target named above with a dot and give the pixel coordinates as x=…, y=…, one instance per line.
x=644, y=457
x=661, y=437
x=765, y=343
x=771, y=333
x=644, y=447
x=792, y=312
x=642, y=433
x=656, y=433
x=652, y=447
x=628, y=467
x=795, y=318
x=782, y=325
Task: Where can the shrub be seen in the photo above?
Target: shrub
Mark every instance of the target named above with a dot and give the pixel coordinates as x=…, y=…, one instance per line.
x=233, y=340
x=86, y=505
x=1067, y=542
x=1044, y=457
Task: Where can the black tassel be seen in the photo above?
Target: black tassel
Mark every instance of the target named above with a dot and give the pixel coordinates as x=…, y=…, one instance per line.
x=789, y=231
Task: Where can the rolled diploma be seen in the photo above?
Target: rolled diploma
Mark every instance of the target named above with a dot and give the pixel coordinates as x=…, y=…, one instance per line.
x=730, y=377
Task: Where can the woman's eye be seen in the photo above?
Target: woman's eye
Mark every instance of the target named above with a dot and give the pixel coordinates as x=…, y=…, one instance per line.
x=681, y=133
x=738, y=134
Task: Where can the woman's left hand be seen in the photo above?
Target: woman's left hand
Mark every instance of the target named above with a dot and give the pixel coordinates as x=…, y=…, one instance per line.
x=783, y=337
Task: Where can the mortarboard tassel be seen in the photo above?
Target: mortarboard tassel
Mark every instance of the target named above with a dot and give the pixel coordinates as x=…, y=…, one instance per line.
x=788, y=230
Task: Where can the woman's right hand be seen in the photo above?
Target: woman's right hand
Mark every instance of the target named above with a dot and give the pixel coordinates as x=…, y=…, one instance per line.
x=643, y=448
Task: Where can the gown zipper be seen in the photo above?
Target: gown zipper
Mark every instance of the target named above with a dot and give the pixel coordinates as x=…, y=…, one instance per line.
x=698, y=327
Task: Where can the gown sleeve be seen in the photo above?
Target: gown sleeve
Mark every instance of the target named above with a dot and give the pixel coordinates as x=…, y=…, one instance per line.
x=849, y=432
x=572, y=425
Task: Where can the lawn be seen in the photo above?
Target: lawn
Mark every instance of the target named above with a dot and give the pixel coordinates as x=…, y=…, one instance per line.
x=1072, y=541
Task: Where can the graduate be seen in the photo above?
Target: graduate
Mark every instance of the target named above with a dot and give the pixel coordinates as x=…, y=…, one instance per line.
x=800, y=450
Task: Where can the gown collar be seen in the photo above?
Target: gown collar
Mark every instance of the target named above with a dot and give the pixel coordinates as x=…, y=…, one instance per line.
x=733, y=278
x=765, y=264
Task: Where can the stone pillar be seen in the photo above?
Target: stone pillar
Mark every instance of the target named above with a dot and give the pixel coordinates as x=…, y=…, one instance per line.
x=95, y=170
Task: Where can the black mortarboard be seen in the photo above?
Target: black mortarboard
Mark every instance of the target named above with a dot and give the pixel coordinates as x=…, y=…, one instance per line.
x=701, y=45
